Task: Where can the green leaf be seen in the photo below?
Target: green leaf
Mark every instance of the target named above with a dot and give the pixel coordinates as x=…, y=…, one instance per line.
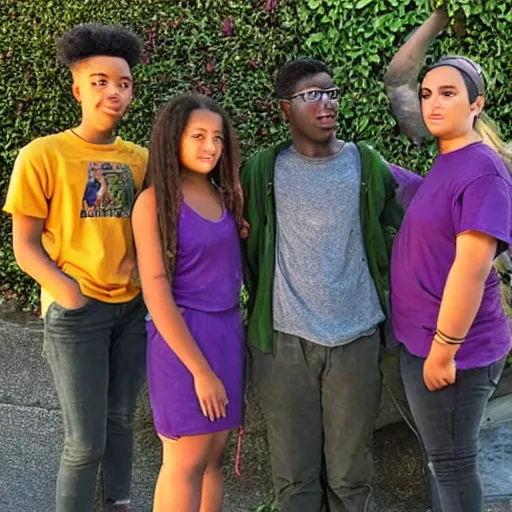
x=315, y=38
x=363, y=3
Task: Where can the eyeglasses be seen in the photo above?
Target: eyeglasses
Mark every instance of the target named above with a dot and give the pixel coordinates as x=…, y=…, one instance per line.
x=315, y=95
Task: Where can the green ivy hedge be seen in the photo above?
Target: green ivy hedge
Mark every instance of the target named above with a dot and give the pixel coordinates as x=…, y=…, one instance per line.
x=231, y=49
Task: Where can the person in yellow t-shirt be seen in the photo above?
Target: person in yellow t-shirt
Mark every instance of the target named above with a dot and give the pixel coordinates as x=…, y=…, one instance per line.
x=70, y=197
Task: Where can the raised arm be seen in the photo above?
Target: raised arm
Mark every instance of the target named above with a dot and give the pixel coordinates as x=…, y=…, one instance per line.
x=401, y=78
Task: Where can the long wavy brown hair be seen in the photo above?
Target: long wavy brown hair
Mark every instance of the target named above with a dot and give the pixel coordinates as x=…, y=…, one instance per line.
x=164, y=168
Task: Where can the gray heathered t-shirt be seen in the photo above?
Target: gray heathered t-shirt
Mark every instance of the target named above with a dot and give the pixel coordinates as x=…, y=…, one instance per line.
x=323, y=290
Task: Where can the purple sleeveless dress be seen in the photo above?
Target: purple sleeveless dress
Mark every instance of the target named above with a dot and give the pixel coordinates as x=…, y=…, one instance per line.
x=206, y=288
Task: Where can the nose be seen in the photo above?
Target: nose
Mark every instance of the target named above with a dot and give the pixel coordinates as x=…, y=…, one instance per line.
x=209, y=145
x=436, y=102
x=330, y=104
x=326, y=102
x=113, y=91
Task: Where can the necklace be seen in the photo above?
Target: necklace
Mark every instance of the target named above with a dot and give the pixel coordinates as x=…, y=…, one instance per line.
x=72, y=130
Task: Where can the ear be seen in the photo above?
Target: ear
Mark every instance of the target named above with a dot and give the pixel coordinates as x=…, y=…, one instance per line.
x=478, y=105
x=75, y=88
x=285, y=108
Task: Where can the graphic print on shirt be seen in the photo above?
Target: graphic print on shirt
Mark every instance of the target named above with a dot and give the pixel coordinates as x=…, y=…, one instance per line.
x=110, y=190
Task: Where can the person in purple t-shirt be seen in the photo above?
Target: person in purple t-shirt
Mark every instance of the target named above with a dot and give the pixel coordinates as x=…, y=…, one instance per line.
x=445, y=295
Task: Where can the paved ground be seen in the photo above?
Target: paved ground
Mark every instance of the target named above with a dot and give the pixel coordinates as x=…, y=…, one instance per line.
x=31, y=439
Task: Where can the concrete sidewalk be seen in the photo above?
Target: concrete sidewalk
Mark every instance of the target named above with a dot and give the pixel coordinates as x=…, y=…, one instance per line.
x=30, y=445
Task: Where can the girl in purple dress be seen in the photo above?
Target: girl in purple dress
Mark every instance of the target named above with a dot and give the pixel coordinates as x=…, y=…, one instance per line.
x=186, y=228
x=445, y=295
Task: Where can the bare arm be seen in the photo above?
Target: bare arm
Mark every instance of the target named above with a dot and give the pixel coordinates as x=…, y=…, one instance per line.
x=33, y=260
x=461, y=300
x=156, y=287
x=164, y=312
x=401, y=78
x=464, y=287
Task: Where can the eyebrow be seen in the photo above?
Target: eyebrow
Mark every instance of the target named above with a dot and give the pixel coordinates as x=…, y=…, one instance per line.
x=317, y=88
x=103, y=75
x=201, y=129
x=440, y=88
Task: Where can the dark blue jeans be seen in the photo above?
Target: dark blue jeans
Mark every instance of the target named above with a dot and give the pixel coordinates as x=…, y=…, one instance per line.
x=448, y=421
x=392, y=382
x=97, y=357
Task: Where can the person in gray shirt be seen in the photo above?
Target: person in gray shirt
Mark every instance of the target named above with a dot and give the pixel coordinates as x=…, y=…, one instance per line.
x=322, y=215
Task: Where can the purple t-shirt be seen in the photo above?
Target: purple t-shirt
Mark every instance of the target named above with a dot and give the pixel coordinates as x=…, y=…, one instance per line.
x=466, y=189
x=407, y=182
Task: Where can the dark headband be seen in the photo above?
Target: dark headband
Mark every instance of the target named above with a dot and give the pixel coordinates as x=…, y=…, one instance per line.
x=469, y=70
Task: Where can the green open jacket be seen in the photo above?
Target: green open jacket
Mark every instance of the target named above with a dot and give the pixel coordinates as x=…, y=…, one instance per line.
x=381, y=216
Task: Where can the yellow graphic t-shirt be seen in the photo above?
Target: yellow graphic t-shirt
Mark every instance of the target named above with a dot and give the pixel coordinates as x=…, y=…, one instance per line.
x=85, y=192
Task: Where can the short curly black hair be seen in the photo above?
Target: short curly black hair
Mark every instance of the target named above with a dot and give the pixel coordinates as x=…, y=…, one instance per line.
x=293, y=72
x=90, y=39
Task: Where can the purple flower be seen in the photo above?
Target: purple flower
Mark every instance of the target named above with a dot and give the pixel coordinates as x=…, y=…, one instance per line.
x=271, y=5
x=151, y=36
x=210, y=68
x=201, y=88
x=254, y=64
x=146, y=60
x=228, y=27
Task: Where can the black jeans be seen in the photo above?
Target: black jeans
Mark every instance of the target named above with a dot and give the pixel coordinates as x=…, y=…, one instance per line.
x=320, y=405
x=448, y=422
x=97, y=355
